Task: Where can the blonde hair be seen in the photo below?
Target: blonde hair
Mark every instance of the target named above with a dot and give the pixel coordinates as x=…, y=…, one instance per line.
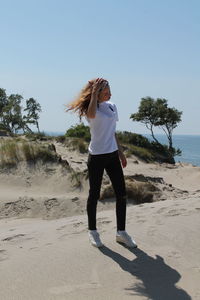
x=81, y=103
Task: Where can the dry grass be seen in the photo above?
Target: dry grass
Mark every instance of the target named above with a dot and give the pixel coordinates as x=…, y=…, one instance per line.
x=76, y=144
x=78, y=177
x=9, y=154
x=14, y=151
x=137, y=192
x=141, y=153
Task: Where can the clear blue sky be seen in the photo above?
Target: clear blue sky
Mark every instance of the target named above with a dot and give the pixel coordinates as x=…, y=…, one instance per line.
x=50, y=49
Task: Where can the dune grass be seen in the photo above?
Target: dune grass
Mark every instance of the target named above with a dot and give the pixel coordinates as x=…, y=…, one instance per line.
x=142, y=153
x=14, y=151
x=137, y=192
x=74, y=143
x=9, y=154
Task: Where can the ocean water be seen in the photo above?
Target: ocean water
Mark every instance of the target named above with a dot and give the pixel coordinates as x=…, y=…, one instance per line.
x=188, y=144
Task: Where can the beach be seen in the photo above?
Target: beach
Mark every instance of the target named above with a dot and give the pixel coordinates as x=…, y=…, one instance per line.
x=44, y=248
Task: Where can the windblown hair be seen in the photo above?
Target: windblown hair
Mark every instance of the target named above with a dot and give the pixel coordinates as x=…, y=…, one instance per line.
x=81, y=103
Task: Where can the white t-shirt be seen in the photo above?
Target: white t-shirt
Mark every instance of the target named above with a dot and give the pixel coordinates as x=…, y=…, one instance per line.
x=102, y=129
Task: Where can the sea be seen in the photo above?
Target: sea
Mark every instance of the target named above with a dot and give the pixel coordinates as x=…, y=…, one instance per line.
x=188, y=144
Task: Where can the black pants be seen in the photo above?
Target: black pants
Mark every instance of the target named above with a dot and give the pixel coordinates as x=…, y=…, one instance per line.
x=96, y=165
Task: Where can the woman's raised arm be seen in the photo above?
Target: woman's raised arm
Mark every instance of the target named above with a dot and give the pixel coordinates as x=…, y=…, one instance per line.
x=96, y=86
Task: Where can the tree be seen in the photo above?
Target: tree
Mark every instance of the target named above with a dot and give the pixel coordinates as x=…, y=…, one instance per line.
x=32, y=108
x=147, y=115
x=11, y=113
x=155, y=112
x=3, y=103
x=80, y=131
x=168, y=119
x=12, y=117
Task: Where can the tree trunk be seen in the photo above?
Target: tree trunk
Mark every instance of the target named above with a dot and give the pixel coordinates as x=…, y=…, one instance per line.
x=153, y=136
x=169, y=136
x=37, y=126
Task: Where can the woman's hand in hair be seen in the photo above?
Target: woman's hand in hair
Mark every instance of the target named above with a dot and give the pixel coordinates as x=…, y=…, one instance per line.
x=96, y=85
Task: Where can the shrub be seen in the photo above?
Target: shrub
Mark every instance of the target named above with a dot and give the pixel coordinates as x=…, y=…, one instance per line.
x=142, y=153
x=156, y=151
x=79, y=131
x=137, y=192
x=60, y=138
x=82, y=147
x=133, y=138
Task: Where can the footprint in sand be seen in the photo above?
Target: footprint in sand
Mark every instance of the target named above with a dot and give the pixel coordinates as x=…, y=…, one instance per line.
x=80, y=231
x=78, y=228
x=61, y=227
x=68, y=235
x=33, y=248
x=77, y=224
x=141, y=221
x=104, y=221
x=10, y=238
x=175, y=212
x=75, y=199
x=17, y=237
x=51, y=203
x=70, y=230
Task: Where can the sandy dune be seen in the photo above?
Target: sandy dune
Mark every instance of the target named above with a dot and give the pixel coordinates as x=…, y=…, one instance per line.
x=44, y=247
x=53, y=259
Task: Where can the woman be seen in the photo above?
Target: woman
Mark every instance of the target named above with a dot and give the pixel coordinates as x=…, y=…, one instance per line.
x=104, y=153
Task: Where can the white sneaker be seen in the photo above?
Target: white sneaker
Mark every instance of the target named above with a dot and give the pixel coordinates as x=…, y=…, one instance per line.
x=94, y=238
x=123, y=237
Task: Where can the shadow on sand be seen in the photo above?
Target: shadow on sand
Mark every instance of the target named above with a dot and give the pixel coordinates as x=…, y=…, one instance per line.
x=157, y=278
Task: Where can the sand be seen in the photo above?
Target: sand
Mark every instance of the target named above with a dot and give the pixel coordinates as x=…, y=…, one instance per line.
x=44, y=247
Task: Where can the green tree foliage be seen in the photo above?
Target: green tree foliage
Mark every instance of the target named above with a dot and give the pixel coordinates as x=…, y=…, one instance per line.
x=12, y=114
x=3, y=101
x=80, y=131
x=168, y=118
x=156, y=113
x=146, y=114
x=32, y=108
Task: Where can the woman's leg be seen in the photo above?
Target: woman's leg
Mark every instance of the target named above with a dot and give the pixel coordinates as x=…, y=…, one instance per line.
x=115, y=172
x=95, y=172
